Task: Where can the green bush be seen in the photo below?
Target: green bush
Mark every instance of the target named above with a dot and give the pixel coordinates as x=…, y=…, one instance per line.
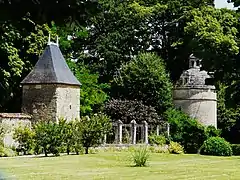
x=25, y=138
x=211, y=131
x=140, y=156
x=157, y=139
x=185, y=130
x=49, y=137
x=6, y=152
x=236, y=149
x=216, y=146
x=2, y=133
x=91, y=131
x=175, y=148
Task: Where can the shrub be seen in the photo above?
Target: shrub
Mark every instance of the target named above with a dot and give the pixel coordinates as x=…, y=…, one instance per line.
x=91, y=130
x=185, y=130
x=6, y=152
x=175, y=148
x=49, y=137
x=25, y=138
x=157, y=139
x=2, y=133
x=236, y=149
x=216, y=146
x=211, y=131
x=140, y=156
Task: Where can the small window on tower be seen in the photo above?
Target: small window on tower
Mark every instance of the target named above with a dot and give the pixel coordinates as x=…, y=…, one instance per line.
x=70, y=106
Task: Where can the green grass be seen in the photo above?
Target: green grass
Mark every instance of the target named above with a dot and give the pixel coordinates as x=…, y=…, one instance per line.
x=105, y=165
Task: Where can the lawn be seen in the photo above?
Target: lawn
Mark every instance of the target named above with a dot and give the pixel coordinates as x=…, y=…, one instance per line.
x=106, y=165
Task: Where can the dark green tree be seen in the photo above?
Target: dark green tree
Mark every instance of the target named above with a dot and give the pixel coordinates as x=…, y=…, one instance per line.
x=145, y=78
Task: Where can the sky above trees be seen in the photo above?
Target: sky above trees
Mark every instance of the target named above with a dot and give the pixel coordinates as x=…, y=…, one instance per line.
x=223, y=4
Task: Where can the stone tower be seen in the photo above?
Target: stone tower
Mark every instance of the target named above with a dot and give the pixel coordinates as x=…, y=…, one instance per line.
x=194, y=97
x=50, y=90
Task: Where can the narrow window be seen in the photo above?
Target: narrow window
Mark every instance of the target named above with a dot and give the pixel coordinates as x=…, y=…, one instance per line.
x=198, y=63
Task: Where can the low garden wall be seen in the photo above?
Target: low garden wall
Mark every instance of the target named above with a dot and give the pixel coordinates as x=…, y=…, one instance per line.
x=10, y=121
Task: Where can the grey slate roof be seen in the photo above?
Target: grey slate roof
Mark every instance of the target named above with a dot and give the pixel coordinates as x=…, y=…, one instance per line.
x=51, y=68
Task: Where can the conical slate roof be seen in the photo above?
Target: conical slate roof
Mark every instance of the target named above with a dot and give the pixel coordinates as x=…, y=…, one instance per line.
x=51, y=68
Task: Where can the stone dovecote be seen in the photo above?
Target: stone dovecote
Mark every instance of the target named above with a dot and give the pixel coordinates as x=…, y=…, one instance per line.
x=194, y=97
x=50, y=90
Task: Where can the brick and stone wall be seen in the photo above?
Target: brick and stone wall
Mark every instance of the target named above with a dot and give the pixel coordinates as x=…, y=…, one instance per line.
x=11, y=121
x=199, y=103
x=51, y=101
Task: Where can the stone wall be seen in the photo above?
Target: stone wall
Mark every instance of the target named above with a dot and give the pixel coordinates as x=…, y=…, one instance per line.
x=51, y=101
x=39, y=101
x=11, y=121
x=68, y=102
x=199, y=103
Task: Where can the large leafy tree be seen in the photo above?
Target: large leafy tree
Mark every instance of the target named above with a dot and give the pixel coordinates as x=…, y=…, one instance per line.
x=20, y=45
x=44, y=11
x=145, y=78
x=123, y=28
x=92, y=95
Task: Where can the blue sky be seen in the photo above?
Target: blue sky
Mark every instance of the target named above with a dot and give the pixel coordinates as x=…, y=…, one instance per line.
x=222, y=4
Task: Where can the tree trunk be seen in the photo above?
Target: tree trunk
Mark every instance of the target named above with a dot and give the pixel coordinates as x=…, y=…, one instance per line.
x=45, y=152
x=86, y=150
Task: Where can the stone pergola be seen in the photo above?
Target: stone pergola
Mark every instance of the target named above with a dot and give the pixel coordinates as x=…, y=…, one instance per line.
x=133, y=126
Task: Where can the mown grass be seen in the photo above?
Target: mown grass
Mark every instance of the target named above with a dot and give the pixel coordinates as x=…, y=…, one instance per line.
x=115, y=165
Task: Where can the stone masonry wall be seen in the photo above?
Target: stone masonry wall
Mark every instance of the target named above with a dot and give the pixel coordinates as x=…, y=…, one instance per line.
x=68, y=102
x=11, y=121
x=40, y=101
x=50, y=102
x=198, y=103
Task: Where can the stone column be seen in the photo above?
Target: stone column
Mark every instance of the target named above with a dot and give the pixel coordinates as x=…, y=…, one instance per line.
x=133, y=131
x=145, y=132
x=158, y=130
x=105, y=139
x=119, y=130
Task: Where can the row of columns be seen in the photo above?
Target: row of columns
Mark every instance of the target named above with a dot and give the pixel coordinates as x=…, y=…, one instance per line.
x=133, y=132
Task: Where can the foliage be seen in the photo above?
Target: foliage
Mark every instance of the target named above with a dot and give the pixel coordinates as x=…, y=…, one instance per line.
x=93, y=129
x=2, y=133
x=140, y=156
x=185, y=130
x=145, y=78
x=20, y=45
x=128, y=110
x=157, y=139
x=25, y=138
x=216, y=146
x=175, y=148
x=6, y=152
x=92, y=92
x=211, y=131
x=49, y=136
x=235, y=149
